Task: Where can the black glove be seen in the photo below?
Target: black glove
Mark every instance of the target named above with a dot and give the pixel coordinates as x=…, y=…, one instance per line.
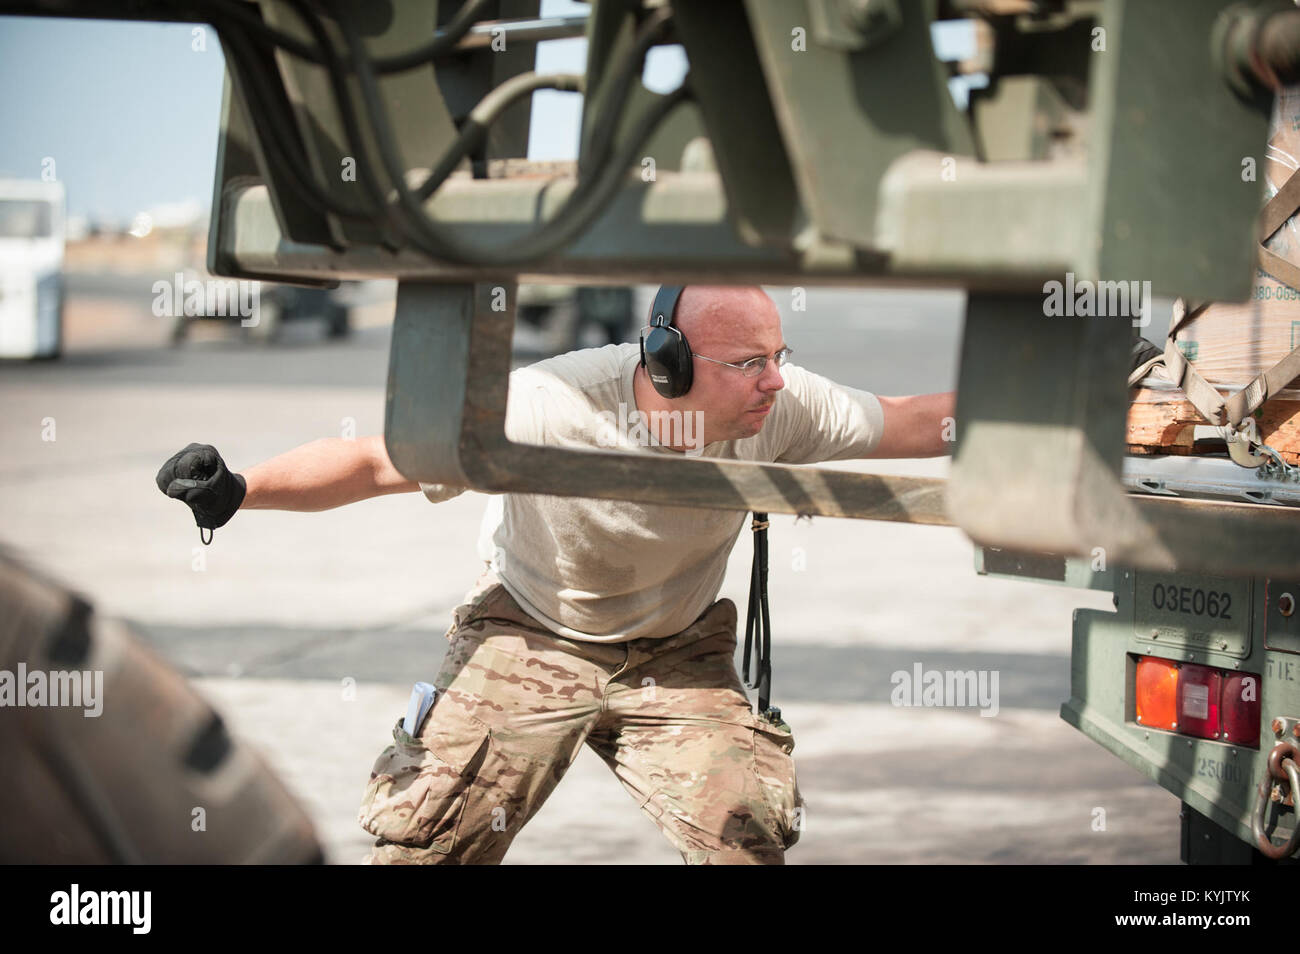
x=198, y=476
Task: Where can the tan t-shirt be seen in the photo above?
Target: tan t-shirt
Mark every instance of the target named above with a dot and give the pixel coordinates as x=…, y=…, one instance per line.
x=609, y=570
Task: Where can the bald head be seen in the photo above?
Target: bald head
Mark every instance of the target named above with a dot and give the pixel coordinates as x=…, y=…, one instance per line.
x=724, y=316
x=726, y=324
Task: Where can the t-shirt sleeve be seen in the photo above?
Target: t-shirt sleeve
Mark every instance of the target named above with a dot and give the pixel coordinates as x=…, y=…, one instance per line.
x=822, y=420
x=527, y=401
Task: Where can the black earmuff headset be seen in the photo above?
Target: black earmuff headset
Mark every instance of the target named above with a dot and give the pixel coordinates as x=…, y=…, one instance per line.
x=665, y=353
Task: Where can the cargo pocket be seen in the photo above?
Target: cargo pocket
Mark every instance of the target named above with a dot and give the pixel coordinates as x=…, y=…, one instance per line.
x=774, y=767
x=418, y=787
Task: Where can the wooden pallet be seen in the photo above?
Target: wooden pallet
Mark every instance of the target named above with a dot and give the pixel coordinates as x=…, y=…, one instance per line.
x=1162, y=422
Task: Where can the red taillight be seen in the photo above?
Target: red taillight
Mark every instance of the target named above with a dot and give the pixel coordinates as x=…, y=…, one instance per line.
x=1241, y=708
x=1198, y=701
x=1157, y=693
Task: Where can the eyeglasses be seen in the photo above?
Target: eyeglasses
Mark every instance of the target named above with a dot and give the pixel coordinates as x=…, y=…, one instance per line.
x=754, y=366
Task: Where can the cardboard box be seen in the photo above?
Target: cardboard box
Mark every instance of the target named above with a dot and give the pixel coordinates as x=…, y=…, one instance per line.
x=1229, y=344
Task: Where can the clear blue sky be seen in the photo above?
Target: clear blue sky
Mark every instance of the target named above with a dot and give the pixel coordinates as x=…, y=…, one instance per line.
x=129, y=111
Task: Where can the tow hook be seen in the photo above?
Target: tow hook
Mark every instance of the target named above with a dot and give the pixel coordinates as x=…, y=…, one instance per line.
x=1282, y=767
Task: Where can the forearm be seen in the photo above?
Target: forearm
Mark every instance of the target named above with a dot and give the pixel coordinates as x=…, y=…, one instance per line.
x=936, y=423
x=324, y=474
x=918, y=425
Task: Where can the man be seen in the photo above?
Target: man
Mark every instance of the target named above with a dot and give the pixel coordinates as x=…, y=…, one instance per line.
x=597, y=621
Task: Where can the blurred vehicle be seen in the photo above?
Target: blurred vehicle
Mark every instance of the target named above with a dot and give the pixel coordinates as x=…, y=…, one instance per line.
x=552, y=319
x=32, y=236
x=258, y=311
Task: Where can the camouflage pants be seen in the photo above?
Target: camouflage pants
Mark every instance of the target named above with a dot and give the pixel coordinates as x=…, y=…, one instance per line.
x=516, y=702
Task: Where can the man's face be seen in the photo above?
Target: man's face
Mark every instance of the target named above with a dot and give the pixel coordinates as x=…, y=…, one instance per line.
x=730, y=324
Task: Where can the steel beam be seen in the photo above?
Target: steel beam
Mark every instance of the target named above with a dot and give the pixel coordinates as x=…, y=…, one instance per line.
x=1041, y=407
x=846, y=114
x=1174, y=195
x=998, y=226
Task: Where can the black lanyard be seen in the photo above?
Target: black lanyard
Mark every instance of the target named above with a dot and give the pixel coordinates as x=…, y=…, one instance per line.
x=758, y=624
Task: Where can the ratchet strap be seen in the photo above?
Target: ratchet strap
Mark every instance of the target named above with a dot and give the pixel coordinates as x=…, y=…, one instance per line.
x=1203, y=395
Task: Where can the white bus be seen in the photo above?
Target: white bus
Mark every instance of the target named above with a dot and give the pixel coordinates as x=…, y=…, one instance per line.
x=31, y=268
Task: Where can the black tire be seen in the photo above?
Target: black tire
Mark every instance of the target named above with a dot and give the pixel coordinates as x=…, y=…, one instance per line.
x=270, y=315
x=611, y=310
x=57, y=351
x=338, y=322
x=180, y=330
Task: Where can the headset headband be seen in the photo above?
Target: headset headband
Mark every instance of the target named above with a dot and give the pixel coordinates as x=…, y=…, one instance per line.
x=664, y=309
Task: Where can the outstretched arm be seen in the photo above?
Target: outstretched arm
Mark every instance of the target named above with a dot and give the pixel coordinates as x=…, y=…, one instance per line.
x=918, y=425
x=327, y=473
